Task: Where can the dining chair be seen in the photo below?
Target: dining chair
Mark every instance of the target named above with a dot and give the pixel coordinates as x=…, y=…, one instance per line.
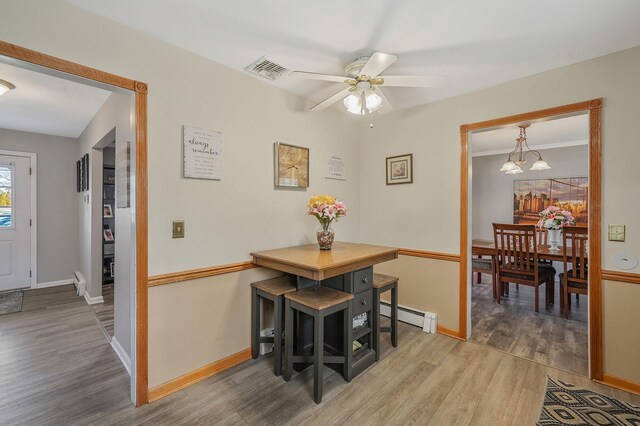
x=484, y=266
x=517, y=260
x=574, y=280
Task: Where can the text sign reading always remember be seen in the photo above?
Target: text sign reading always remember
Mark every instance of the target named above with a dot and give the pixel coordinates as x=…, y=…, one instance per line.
x=202, y=153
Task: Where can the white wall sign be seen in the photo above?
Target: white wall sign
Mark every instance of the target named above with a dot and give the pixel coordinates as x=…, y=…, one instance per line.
x=202, y=153
x=335, y=167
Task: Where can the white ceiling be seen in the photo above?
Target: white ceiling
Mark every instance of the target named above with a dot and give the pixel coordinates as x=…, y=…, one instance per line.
x=557, y=133
x=472, y=44
x=41, y=103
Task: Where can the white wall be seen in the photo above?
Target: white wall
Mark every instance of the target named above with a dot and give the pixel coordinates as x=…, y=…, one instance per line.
x=115, y=113
x=57, y=208
x=492, y=191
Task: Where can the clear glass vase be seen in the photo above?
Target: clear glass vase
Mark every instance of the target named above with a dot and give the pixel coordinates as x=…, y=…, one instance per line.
x=325, y=237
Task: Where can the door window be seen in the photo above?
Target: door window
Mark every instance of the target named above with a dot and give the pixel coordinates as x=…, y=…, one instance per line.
x=6, y=192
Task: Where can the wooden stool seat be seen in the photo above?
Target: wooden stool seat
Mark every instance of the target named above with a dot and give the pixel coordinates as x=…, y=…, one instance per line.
x=276, y=286
x=382, y=283
x=318, y=301
x=319, y=297
x=381, y=280
x=272, y=289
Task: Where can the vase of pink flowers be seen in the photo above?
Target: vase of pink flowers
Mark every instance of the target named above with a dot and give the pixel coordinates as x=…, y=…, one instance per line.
x=553, y=219
x=326, y=209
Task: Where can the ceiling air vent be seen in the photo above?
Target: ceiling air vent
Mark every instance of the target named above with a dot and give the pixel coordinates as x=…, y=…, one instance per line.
x=267, y=69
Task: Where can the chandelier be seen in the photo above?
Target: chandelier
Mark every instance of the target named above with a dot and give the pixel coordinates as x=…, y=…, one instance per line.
x=516, y=159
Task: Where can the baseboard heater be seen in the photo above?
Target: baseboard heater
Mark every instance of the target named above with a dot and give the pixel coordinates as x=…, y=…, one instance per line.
x=80, y=283
x=428, y=321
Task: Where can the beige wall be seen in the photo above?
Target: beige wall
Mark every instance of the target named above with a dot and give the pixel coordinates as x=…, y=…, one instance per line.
x=425, y=215
x=195, y=323
x=621, y=322
x=427, y=285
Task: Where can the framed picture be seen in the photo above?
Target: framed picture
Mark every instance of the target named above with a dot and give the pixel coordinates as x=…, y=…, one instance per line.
x=532, y=196
x=78, y=177
x=400, y=169
x=108, y=235
x=85, y=168
x=107, y=211
x=291, y=166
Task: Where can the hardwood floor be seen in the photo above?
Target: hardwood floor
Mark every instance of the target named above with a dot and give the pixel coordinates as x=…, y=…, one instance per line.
x=514, y=327
x=57, y=368
x=104, y=311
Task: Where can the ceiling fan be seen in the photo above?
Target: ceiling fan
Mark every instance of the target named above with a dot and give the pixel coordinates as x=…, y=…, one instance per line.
x=364, y=93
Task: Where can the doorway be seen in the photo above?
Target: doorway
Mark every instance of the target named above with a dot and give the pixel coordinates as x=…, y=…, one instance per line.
x=137, y=310
x=528, y=318
x=17, y=216
x=594, y=110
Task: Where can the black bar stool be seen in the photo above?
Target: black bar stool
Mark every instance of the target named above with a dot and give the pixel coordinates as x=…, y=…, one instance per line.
x=382, y=283
x=318, y=301
x=272, y=289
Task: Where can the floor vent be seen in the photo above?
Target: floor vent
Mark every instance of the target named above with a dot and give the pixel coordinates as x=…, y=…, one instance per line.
x=428, y=321
x=265, y=68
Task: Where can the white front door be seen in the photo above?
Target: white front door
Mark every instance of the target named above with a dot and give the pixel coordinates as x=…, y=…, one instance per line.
x=15, y=222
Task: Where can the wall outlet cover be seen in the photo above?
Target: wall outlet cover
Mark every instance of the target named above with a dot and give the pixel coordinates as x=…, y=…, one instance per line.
x=178, y=229
x=616, y=232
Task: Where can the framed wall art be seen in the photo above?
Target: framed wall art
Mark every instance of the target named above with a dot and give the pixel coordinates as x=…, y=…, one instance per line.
x=532, y=196
x=399, y=169
x=291, y=166
x=202, y=153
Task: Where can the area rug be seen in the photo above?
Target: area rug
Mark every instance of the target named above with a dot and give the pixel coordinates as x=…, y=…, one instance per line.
x=11, y=301
x=566, y=404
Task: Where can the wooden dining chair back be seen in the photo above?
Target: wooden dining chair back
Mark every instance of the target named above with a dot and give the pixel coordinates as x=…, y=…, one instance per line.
x=575, y=240
x=517, y=259
x=543, y=240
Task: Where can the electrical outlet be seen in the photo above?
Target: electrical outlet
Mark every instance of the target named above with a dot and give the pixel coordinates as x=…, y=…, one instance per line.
x=178, y=229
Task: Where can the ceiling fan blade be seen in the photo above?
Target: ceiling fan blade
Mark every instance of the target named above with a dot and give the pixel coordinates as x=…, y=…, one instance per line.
x=317, y=76
x=332, y=100
x=412, y=81
x=377, y=63
x=386, y=106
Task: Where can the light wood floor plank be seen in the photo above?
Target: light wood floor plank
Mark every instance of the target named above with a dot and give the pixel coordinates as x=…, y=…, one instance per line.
x=57, y=367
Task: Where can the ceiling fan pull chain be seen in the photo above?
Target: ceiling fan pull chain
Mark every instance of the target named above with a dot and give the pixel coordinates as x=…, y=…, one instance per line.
x=371, y=117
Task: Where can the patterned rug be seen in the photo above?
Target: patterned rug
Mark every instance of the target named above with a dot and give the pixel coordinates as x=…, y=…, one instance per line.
x=566, y=404
x=11, y=301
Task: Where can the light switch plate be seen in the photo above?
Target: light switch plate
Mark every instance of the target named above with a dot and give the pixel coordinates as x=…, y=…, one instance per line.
x=178, y=229
x=616, y=232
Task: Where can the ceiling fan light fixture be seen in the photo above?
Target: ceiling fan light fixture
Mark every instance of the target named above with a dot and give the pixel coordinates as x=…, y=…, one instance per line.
x=373, y=100
x=352, y=102
x=5, y=86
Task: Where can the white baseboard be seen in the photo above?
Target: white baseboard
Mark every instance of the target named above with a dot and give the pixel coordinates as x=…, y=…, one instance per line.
x=53, y=283
x=124, y=358
x=425, y=320
x=92, y=300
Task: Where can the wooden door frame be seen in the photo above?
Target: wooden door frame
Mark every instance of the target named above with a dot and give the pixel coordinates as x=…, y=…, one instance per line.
x=594, y=108
x=141, y=207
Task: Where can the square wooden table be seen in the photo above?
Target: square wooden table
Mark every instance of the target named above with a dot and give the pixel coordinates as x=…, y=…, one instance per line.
x=310, y=262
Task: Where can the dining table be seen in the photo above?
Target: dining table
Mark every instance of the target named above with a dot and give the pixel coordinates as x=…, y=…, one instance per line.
x=481, y=247
x=346, y=267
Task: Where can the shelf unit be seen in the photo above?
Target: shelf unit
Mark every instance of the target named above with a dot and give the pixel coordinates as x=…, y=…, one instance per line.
x=108, y=247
